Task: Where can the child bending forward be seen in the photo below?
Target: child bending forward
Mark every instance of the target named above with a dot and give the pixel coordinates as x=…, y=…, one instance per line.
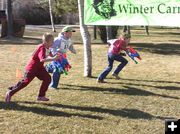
x=35, y=68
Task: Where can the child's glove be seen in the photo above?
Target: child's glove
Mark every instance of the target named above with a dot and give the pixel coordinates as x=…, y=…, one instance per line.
x=122, y=54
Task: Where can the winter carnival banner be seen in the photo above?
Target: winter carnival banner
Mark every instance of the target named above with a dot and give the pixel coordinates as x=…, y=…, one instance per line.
x=132, y=12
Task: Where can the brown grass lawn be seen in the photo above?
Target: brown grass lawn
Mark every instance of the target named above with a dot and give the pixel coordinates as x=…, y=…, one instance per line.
x=138, y=103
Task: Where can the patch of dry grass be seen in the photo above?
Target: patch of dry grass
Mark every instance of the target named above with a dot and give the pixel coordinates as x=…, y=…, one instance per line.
x=147, y=94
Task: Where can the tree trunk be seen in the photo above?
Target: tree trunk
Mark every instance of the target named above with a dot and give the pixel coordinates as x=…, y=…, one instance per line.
x=94, y=31
x=147, y=30
x=86, y=41
x=127, y=28
x=109, y=32
x=51, y=16
x=9, y=19
x=3, y=4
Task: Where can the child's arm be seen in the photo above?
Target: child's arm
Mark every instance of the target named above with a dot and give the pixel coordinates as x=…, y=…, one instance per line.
x=49, y=58
x=71, y=48
x=55, y=46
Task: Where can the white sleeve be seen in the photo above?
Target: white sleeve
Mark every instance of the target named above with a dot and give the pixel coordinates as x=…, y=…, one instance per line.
x=71, y=48
x=55, y=46
x=111, y=41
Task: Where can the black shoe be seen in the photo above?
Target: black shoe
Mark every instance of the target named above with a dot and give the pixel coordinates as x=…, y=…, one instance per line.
x=116, y=76
x=100, y=81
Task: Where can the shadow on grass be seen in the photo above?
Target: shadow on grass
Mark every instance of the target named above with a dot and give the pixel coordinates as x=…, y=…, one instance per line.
x=32, y=38
x=158, y=87
x=125, y=112
x=167, y=33
x=155, y=81
x=20, y=41
x=133, y=90
x=43, y=111
x=127, y=91
x=160, y=48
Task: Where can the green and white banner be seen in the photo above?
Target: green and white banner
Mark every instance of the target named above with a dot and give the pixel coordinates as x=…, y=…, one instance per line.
x=132, y=12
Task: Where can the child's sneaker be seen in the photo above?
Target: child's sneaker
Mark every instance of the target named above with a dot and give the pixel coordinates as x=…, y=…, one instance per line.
x=53, y=88
x=8, y=96
x=42, y=99
x=116, y=76
x=100, y=81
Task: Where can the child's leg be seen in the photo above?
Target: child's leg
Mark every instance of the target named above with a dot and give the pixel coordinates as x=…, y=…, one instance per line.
x=121, y=65
x=55, y=79
x=103, y=75
x=46, y=78
x=28, y=77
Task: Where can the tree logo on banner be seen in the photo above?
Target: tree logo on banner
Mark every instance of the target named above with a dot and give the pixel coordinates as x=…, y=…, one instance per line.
x=104, y=8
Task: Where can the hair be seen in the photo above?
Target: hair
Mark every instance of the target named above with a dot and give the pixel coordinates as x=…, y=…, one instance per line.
x=125, y=35
x=46, y=37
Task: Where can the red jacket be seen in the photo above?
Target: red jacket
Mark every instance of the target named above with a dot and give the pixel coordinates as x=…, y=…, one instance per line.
x=116, y=46
x=34, y=64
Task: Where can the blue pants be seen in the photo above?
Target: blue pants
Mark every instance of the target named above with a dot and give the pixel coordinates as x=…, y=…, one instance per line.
x=55, y=79
x=52, y=68
x=111, y=58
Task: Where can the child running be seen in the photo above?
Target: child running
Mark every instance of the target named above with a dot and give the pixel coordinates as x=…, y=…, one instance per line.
x=61, y=44
x=35, y=68
x=115, y=47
